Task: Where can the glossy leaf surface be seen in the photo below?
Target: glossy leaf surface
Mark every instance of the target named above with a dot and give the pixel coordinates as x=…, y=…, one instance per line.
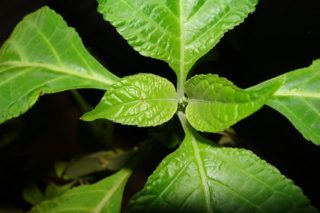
x=142, y=100
x=299, y=100
x=215, y=103
x=44, y=55
x=101, y=197
x=200, y=177
x=178, y=32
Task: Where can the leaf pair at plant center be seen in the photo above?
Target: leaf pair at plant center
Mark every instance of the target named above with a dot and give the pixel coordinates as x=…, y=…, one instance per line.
x=214, y=103
x=36, y=51
x=42, y=48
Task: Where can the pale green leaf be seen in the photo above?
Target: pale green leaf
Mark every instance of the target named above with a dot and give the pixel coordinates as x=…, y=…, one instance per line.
x=176, y=31
x=202, y=177
x=142, y=100
x=44, y=55
x=299, y=100
x=101, y=197
x=215, y=104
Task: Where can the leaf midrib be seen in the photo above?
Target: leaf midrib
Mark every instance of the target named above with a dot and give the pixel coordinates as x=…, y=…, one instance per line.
x=299, y=94
x=45, y=39
x=111, y=191
x=291, y=112
x=220, y=102
x=202, y=173
x=159, y=196
x=144, y=100
x=181, y=78
x=57, y=69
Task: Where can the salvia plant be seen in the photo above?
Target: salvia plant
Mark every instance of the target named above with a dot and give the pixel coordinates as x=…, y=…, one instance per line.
x=43, y=55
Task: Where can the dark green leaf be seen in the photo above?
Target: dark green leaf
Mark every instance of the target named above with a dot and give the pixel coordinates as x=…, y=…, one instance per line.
x=54, y=190
x=104, y=196
x=111, y=160
x=32, y=194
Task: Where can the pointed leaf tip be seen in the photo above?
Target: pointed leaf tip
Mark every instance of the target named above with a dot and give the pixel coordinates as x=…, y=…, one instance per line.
x=299, y=99
x=142, y=100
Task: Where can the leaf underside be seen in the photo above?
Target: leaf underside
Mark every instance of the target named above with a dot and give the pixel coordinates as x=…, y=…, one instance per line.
x=200, y=177
x=215, y=103
x=299, y=100
x=142, y=100
x=44, y=55
x=178, y=32
x=101, y=197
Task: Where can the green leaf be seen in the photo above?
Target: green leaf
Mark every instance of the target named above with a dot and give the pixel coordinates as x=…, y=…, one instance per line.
x=215, y=103
x=142, y=100
x=299, y=100
x=44, y=55
x=201, y=177
x=54, y=190
x=178, y=32
x=111, y=160
x=32, y=194
x=104, y=196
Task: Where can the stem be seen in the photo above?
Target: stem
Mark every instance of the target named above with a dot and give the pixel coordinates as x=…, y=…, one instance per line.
x=189, y=130
x=184, y=122
x=85, y=107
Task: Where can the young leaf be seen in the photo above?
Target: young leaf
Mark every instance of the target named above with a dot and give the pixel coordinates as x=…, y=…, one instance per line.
x=299, y=100
x=142, y=100
x=200, y=177
x=104, y=196
x=178, y=31
x=44, y=55
x=215, y=103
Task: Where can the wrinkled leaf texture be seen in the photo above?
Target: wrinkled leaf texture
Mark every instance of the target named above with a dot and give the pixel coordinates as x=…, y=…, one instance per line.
x=216, y=103
x=202, y=177
x=142, y=100
x=178, y=32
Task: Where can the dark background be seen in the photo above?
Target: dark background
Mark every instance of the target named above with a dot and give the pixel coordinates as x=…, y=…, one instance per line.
x=282, y=35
